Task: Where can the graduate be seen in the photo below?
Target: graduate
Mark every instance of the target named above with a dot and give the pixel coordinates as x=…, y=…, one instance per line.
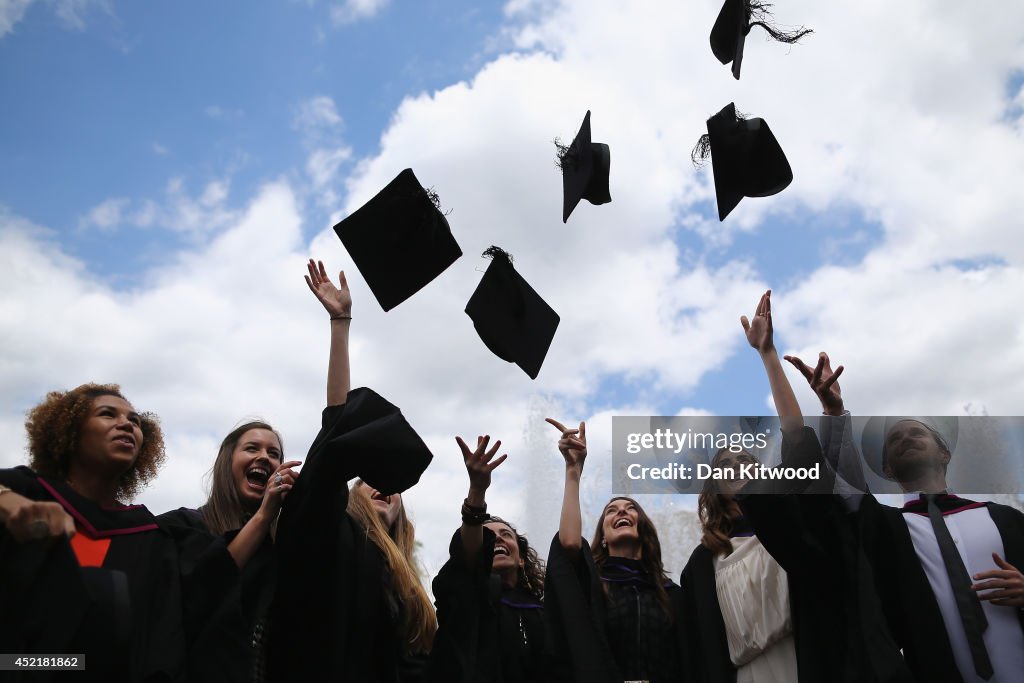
x=614, y=613
x=771, y=582
x=348, y=603
x=489, y=594
x=734, y=589
x=245, y=498
x=250, y=481
x=946, y=570
x=81, y=571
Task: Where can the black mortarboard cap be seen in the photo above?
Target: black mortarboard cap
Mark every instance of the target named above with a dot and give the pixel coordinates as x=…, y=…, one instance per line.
x=370, y=439
x=729, y=33
x=585, y=166
x=510, y=317
x=746, y=159
x=399, y=240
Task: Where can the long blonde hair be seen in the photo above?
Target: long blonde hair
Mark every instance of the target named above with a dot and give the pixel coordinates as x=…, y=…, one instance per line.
x=398, y=545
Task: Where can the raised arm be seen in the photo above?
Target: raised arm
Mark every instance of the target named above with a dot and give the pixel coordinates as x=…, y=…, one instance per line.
x=837, y=428
x=479, y=465
x=573, y=447
x=338, y=303
x=760, y=337
x=823, y=381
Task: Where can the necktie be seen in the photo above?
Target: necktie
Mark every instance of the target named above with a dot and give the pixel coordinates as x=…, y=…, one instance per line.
x=967, y=602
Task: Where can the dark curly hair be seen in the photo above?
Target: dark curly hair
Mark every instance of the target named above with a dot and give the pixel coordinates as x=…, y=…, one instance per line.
x=54, y=427
x=531, y=575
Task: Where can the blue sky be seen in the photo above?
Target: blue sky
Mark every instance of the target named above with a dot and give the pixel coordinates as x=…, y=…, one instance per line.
x=169, y=168
x=144, y=93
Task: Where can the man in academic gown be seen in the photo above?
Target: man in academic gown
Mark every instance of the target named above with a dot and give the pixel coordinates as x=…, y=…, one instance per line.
x=901, y=554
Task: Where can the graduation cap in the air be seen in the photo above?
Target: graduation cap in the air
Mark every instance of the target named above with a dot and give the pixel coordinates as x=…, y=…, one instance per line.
x=510, y=317
x=399, y=240
x=585, y=167
x=734, y=23
x=746, y=159
x=369, y=439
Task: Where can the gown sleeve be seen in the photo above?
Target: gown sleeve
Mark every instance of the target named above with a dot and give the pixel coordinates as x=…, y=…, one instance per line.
x=574, y=605
x=461, y=596
x=318, y=586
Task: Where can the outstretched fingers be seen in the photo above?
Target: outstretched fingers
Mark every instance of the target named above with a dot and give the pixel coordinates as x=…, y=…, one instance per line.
x=832, y=380
x=801, y=366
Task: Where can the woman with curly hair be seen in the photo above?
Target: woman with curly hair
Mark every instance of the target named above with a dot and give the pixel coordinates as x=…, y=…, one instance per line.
x=625, y=622
x=490, y=592
x=85, y=572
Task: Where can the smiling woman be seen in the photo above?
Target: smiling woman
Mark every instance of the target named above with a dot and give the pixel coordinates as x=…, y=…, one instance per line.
x=83, y=572
x=241, y=504
x=489, y=593
x=625, y=623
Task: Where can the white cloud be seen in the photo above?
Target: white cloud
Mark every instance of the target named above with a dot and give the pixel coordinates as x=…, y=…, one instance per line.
x=910, y=133
x=351, y=11
x=317, y=118
x=11, y=12
x=319, y=124
x=106, y=215
x=71, y=13
x=195, y=218
x=220, y=113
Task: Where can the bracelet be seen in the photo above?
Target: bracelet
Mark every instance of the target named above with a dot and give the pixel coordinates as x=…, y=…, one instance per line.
x=341, y=317
x=473, y=515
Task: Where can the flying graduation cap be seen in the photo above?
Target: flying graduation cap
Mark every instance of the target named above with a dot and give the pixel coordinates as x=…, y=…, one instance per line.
x=399, y=240
x=510, y=317
x=746, y=159
x=585, y=166
x=734, y=23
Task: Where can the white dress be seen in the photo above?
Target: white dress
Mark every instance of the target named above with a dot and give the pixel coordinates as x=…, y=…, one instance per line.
x=754, y=597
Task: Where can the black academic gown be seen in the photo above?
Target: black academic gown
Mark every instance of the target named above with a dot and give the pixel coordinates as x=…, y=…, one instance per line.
x=621, y=634
x=906, y=595
x=486, y=633
x=134, y=617
x=839, y=629
x=228, y=648
x=333, y=617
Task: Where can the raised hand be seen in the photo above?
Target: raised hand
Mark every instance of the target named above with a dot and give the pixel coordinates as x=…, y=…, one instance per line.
x=1007, y=579
x=759, y=330
x=280, y=483
x=572, y=445
x=822, y=380
x=479, y=463
x=337, y=300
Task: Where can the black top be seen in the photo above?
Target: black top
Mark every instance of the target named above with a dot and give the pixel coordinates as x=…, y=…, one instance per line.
x=906, y=596
x=333, y=616
x=608, y=621
x=228, y=649
x=135, y=616
x=838, y=627
x=481, y=623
